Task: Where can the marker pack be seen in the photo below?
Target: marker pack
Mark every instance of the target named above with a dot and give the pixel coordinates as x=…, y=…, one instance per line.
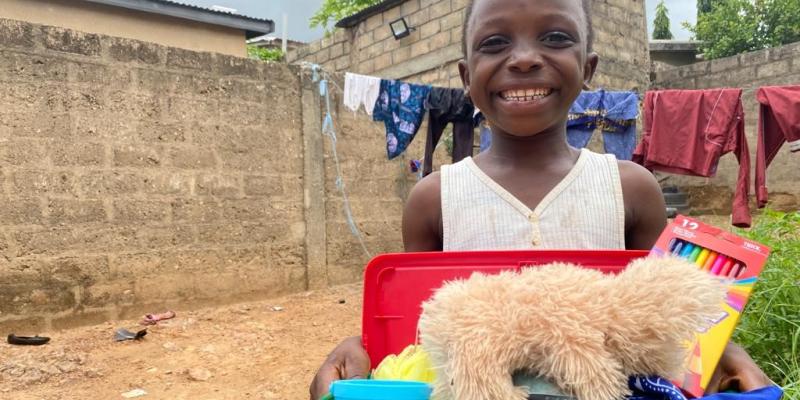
x=734, y=259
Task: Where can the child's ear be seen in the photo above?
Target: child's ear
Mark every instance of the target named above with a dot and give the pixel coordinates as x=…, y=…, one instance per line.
x=464, y=72
x=589, y=68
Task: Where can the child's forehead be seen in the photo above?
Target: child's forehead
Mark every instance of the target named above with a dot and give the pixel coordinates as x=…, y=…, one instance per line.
x=481, y=9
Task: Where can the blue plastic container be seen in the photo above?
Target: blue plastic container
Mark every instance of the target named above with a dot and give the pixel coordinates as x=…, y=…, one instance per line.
x=369, y=389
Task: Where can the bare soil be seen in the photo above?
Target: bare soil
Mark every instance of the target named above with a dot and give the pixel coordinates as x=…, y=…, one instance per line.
x=260, y=350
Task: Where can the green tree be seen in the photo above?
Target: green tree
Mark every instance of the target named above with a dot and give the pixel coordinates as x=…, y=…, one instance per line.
x=738, y=26
x=334, y=10
x=661, y=23
x=260, y=53
x=703, y=6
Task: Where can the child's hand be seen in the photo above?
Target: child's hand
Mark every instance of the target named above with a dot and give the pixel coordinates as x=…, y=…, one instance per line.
x=348, y=360
x=737, y=371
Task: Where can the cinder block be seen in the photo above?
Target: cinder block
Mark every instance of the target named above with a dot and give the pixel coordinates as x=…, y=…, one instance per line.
x=72, y=211
x=80, y=154
x=24, y=152
x=383, y=61
x=18, y=34
x=218, y=185
x=39, y=182
x=69, y=41
x=440, y=9
x=776, y=68
x=196, y=210
x=196, y=60
x=420, y=48
x=138, y=156
x=440, y=40
x=127, y=50
x=19, y=211
x=99, y=184
x=140, y=211
x=192, y=157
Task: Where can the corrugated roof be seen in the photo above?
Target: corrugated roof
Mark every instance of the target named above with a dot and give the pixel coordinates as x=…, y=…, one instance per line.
x=252, y=26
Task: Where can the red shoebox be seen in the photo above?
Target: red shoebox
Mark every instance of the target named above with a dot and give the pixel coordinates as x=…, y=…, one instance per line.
x=396, y=285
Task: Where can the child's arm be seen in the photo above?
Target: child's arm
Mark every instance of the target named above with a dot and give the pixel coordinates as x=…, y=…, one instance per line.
x=645, y=211
x=422, y=216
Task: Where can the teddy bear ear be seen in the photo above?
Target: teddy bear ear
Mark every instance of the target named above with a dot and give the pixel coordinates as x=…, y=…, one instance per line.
x=660, y=302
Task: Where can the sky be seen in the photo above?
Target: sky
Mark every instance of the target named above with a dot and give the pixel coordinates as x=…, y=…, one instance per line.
x=299, y=11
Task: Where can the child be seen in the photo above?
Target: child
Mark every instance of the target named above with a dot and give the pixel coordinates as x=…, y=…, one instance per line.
x=525, y=63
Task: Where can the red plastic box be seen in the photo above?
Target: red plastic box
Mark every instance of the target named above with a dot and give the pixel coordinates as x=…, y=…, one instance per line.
x=396, y=285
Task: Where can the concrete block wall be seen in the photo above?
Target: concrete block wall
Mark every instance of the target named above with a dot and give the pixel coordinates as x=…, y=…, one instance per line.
x=430, y=54
x=749, y=71
x=135, y=177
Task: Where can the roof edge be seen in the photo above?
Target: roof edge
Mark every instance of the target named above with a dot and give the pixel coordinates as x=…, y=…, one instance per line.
x=253, y=27
x=355, y=19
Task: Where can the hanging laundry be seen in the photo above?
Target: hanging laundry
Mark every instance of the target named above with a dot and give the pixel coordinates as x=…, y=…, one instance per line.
x=484, y=131
x=613, y=112
x=618, y=123
x=400, y=106
x=583, y=117
x=446, y=105
x=778, y=122
x=687, y=131
x=361, y=89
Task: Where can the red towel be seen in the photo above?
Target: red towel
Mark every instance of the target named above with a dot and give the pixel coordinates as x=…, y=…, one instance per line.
x=778, y=122
x=687, y=131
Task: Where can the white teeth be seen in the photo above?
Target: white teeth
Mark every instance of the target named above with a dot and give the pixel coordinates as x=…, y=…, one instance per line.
x=525, y=94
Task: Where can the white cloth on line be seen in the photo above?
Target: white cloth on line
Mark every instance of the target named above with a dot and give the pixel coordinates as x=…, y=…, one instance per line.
x=361, y=89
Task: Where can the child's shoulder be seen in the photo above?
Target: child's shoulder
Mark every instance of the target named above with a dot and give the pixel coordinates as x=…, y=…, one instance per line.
x=645, y=211
x=422, y=216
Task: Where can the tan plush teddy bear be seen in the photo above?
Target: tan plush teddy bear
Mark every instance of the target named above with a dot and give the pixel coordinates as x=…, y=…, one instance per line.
x=585, y=331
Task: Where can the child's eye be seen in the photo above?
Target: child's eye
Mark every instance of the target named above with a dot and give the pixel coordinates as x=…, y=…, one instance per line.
x=558, y=39
x=493, y=43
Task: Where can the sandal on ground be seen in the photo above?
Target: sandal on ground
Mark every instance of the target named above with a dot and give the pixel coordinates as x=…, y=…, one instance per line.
x=123, y=334
x=28, y=340
x=152, y=319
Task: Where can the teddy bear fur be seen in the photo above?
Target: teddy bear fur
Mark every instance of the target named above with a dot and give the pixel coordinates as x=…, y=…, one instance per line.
x=585, y=331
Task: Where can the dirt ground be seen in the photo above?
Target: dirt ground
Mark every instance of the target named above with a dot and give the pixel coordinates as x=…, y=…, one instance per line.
x=261, y=350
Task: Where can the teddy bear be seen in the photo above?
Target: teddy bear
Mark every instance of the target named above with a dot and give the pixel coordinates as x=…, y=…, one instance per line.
x=582, y=330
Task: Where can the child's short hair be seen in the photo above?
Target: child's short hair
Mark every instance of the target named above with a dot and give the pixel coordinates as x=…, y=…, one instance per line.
x=587, y=10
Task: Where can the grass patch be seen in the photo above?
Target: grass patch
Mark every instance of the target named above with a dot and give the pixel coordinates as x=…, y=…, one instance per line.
x=770, y=327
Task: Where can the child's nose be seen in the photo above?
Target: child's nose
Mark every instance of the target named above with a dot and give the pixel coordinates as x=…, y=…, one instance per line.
x=525, y=57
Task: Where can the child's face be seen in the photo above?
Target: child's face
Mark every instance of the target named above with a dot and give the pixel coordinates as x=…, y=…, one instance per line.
x=526, y=62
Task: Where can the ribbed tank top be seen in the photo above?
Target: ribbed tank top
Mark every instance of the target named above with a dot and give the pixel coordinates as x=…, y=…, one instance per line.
x=583, y=211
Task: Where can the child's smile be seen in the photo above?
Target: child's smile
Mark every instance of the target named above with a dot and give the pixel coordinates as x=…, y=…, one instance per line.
x=526, y=62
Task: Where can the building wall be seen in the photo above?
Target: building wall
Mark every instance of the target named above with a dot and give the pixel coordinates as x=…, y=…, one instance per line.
x=135, y=177
x=96, y=18
x=749, y=71
x=430, y=54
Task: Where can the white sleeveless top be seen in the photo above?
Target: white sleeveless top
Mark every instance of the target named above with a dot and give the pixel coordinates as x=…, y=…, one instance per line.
x=584, y=211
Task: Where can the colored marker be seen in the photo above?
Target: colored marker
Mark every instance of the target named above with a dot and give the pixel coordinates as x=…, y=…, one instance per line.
x=739, y=270
x=678, y=247
x=687, y=249
x=726, y=269
x=695, y=253
x=701, y=259
x=718, y=264
x=712, y=256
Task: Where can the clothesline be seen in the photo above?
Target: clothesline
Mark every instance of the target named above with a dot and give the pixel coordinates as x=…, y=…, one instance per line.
x=329, y=130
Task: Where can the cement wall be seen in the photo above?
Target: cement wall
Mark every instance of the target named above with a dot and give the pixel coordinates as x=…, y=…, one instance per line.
x=749, y=71
x=135, y=177
x=114, y=21
x=430, y=54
